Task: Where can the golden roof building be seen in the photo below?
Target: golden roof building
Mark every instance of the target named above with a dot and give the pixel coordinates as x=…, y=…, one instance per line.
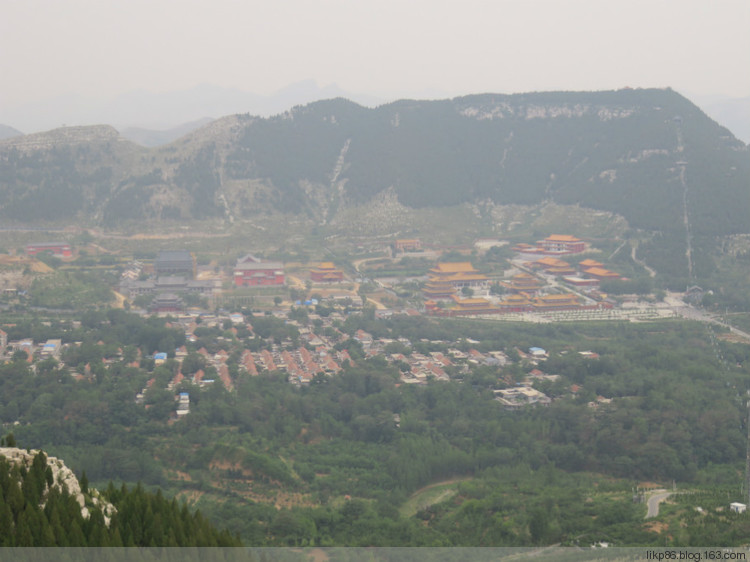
x=522, y=283
x=326, y=272
x=445, y=278
x=561, y=244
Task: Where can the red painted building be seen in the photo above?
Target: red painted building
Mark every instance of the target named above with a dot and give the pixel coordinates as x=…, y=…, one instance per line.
x=57, y=249
x=253, y=272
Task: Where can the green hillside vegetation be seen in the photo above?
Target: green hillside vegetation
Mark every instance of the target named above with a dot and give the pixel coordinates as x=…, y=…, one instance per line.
x=329, y=464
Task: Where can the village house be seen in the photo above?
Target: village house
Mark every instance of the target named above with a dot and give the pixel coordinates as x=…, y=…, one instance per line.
x=51, y=348
x=520, y=397
x=538, y=375
x=183, y=404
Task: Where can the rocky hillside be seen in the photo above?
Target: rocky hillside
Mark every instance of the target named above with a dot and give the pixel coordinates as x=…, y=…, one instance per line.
x=42, y=503
x=648, y=155
x=62, y=479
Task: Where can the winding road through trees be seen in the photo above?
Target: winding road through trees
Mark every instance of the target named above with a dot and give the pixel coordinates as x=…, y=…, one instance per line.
x=654, y=501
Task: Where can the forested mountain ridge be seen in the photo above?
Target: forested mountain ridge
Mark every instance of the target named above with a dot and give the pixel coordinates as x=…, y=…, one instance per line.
x=649, y=155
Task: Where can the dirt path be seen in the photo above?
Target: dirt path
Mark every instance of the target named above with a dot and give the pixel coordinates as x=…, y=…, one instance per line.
x=436, y=484
x=165, y=236
x=421, y=499
x=119, y=300
x=642, y=263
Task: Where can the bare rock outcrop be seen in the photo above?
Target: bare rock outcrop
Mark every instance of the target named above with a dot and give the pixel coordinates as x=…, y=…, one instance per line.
x=63, y=478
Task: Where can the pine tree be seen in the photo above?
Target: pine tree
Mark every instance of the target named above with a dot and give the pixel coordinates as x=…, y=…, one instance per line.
x=75, y=534
x=24, y=536
x=13, y=495
x=52, y=510
x=116, y=540
x=7, y=524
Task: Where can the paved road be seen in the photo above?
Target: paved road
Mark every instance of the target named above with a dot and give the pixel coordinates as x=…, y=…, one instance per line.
x=654, y=501
x=693, y=313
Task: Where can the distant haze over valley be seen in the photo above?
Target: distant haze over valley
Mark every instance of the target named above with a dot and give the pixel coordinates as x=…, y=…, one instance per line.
x=164, y=111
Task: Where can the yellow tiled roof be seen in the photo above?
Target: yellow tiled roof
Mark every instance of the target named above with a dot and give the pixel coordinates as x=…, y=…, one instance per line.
x=552, y=262
x=558, y=298
x=601, y=271
x=562, y=238
x=454, y=267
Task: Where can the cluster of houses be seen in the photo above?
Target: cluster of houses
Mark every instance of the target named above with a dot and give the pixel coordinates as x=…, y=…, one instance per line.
x=41, y=350
x=316, y=354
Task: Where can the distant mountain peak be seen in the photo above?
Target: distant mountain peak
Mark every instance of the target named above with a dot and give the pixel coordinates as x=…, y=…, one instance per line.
x=7, y=132
x=64, y=136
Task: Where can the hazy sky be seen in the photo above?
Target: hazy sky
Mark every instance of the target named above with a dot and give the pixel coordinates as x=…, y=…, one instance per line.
x=389, y=48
